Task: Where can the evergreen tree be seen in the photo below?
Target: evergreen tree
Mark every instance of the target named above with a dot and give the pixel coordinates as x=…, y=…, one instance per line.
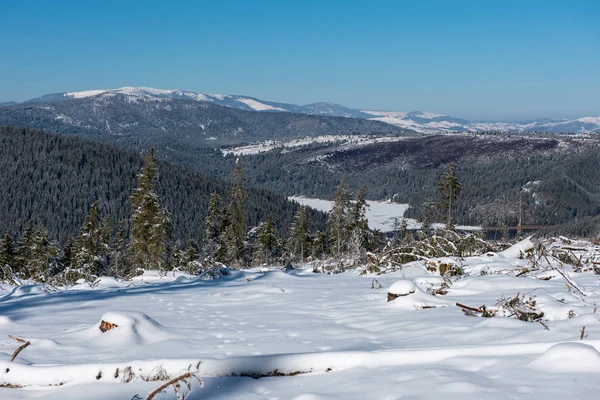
x=43, y=261
x=236, y=229
x=396, y=227
x=299, y=239
x=24, y=247
x=319, y=245
x=150, y=224
x=359, y=225
x=213, y=227
x=90, y=249
x=338, y=219
x=267, y=242
x=120, y=261
x=7, y=259
x=428, y=215
x=449, y=188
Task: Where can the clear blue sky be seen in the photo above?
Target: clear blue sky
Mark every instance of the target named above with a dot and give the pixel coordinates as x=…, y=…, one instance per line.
x=473, y=59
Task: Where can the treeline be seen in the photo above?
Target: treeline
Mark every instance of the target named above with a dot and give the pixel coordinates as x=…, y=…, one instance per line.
x=53, y=180
x=144, y=241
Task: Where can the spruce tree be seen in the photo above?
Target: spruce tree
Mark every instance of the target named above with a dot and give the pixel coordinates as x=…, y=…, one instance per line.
x=150, y=224
x=7, y=259
x=267, y=242
x=236, y=230
x=213, y=226
x=428, y=212
x=43, y=259
x=120, y=262
x=338, y=219
x=299, y=239
x=359, y=225
x=90, y=250
x=24, y=247
x=319, y=245
x=449, y=188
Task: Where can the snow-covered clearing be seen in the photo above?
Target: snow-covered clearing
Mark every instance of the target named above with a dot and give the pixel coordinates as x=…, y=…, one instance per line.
x=335, y=336
x=381, y=214
x=346, y=140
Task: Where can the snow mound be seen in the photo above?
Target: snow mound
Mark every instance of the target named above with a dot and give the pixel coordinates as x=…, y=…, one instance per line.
x=131, y=328
x=414, y=298
x=568, y=357
x=402, y=287
x=26, y=290
x=518, y=248
x=4, y=320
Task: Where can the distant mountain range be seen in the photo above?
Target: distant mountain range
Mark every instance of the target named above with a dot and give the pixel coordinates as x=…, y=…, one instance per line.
x=424, y=122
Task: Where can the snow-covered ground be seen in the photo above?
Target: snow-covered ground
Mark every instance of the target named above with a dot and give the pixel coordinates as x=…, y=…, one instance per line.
x=347, y=141
x=336, y=335
x=381, y=214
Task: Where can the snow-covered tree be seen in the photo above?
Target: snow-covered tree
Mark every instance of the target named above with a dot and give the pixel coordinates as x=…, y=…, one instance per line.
x=299, y=239
x=338, y=221
x=90, y=249
x=236, y=229
x=213, y=229
x=266, y=242
x=150, y=224
x=449, y=188
x=359, y=225
x=7, y=259
x=43, y=257
x=120, y=261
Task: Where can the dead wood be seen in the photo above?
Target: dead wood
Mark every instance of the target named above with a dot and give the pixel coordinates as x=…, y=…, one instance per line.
x=175, y=381
x=469, y=308
x=107, y=326
x=17, y=339
x=582, y=333
x=18, y=350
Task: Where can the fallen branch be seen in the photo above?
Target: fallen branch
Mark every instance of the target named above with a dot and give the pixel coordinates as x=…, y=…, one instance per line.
x=18, y=350
x=176, y=384
x=469, y=308
x=582, y=333
x=17, y=339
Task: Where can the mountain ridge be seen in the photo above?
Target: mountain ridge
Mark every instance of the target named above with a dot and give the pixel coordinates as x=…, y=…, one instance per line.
x=419, y=121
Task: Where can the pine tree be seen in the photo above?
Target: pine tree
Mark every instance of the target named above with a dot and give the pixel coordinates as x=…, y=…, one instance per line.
x=428, y=215
x=396, y=227
x=449, y=188
x=338, y=219
x=213, y=226
x=236, y=230
x=120, y=262
x=7, y=259
x=43, y=261
x=90, y=249
x=150, y=224
x=359, y=225
x=319, y=245
x=24, y=246
x=267, y=242
x=299, y=239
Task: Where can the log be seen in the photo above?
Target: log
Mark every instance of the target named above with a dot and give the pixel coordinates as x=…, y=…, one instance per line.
x=469, y=308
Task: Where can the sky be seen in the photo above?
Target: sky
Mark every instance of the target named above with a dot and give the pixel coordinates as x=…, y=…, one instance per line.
x=502, y=60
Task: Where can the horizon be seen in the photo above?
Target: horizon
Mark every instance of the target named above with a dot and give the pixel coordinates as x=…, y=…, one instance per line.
x=287, y=102
x=514, y=61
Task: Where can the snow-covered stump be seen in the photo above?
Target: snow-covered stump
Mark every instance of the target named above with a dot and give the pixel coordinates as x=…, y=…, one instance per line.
x=401, y=288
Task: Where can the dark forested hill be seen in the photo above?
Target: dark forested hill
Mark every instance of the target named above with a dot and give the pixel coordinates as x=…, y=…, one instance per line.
x=557, y=177
x=53, y=180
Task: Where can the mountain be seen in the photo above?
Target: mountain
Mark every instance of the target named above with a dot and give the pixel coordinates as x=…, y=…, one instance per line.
x=7, y=103
x=419, y=121
x=53, y=179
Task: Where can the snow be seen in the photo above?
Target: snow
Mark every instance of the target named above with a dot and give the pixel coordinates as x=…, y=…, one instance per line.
x=84, y=94
x=402, y=287
x=381, y=214
x=257, y=106
x=342, y=337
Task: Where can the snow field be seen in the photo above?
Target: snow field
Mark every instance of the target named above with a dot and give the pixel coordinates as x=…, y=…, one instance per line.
x=337, y=336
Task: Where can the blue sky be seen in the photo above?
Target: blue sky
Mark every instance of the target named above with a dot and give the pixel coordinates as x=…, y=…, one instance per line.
x=473, y=59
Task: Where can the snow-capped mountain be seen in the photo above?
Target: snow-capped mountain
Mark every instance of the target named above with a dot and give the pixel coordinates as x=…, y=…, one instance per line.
x=419, y=121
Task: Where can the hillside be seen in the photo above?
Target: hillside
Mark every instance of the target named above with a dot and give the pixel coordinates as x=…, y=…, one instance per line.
x=53, y=180
x=557, y=177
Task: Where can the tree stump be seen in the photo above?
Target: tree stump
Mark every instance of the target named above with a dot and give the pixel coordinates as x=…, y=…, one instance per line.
x=107, y=326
